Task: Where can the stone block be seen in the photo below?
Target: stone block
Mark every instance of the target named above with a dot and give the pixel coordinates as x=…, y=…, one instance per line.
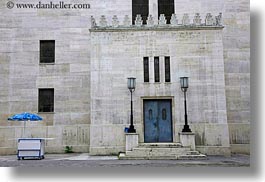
x=239, y=133
x=217, y=135
x=8, y=137
x=187, y=140
x=55, y=135
x=240, y=149
x=83, y=135
x=213, y=150
x=69, y=135
x=131, y=141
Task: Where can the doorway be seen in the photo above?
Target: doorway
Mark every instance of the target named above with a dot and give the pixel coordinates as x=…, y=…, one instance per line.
x=158, y=121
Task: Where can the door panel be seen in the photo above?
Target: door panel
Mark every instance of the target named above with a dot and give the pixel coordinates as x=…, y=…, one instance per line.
x=150, y=124
x=165, y=124
x=157, y=121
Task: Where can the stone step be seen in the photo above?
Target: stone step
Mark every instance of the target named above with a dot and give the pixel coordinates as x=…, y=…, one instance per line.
x=193, y=152
x=163, y=153
x=123, y=156
x=160, y=145
x=180, y=155
x=157, y=152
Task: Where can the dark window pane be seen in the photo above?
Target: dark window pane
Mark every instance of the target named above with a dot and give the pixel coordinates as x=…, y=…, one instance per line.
x=47, y=51
x=146, y=69
x=140, y=7
x=166, y=7
x=46, y=100
x=167, y=69
x=156, y=65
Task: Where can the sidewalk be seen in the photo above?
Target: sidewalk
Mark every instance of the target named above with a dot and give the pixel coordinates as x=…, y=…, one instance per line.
x=85, y=160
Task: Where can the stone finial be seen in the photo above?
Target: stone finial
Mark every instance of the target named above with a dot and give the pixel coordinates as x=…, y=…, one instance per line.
x=209, y=21
x=174, y=20
x=185, y=19
x=115, y=21
x=162, y=20
x=197, y=19
x=219, y=19
x=126, y=21
x=150, y=20
x=103, y=22
x=93, y=21
x=138, y=20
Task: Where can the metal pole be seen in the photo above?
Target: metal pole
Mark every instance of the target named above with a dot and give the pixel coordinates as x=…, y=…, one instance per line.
x=24, y=128
x=185, y=106
x=131, y=129
x=131, y=110
x=186, y=126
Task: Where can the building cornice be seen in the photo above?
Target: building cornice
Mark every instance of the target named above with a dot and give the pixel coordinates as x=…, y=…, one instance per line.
x=209, y=23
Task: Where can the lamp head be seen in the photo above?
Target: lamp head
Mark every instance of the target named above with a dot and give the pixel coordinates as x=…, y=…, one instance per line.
x=184, y=83
x=131, y=83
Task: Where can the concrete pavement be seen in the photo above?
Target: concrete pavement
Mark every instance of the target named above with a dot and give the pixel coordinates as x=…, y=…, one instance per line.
x=86, y=160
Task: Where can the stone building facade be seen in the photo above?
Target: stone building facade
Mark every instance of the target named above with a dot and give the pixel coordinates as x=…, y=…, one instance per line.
x=98, y=48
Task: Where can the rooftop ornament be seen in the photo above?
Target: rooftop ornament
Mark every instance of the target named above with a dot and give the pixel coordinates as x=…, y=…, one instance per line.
x=197, y=22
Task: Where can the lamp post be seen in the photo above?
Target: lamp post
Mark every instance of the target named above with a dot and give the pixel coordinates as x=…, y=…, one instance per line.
x=131, y=86
x=184, y=82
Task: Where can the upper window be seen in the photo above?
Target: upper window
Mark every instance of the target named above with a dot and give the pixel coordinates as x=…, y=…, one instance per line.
x=166, y=7
x=156, y=66
x=167, y=69
x=46, y=100
x=47, y=51
x=140, y=7
x=146, y=69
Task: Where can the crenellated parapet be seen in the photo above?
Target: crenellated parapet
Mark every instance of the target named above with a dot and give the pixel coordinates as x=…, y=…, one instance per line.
x=186, y=21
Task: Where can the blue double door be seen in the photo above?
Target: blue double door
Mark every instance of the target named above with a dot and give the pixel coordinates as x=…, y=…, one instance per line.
x=157, y=121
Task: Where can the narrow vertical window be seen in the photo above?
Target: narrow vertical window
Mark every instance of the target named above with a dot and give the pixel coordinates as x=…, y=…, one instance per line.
x=166, y=7
x=156, y=65
x=167, y=69
x=146, y=69
x=140, y=7
x=47, y=51
x=46, y=100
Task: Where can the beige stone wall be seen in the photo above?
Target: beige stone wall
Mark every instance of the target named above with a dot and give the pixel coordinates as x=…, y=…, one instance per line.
x=21, y=30
x=22, y=75
x=116, y=55
x=237, y=73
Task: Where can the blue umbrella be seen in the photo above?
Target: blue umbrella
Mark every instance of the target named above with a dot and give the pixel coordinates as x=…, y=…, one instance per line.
x=25, y=117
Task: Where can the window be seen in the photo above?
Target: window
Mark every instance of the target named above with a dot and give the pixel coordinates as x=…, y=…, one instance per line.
x=46, y=100
x=167, y=69
x=140, y=7
x=166, y=7
x=146, y=69
x=156, y=65
x=47, y=51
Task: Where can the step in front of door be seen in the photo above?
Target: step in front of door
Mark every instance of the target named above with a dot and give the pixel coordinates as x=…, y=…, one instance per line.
x=155, y=153
x=160, y=145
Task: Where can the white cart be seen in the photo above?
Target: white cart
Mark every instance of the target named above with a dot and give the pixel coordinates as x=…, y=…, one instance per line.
x=31, y=148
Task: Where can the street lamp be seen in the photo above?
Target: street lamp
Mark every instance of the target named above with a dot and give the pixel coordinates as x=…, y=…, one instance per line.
x=184, y=82
x=131, y=86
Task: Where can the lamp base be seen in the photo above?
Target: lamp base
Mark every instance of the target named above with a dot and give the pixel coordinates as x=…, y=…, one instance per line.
x=131, y=129
x=186, y=128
